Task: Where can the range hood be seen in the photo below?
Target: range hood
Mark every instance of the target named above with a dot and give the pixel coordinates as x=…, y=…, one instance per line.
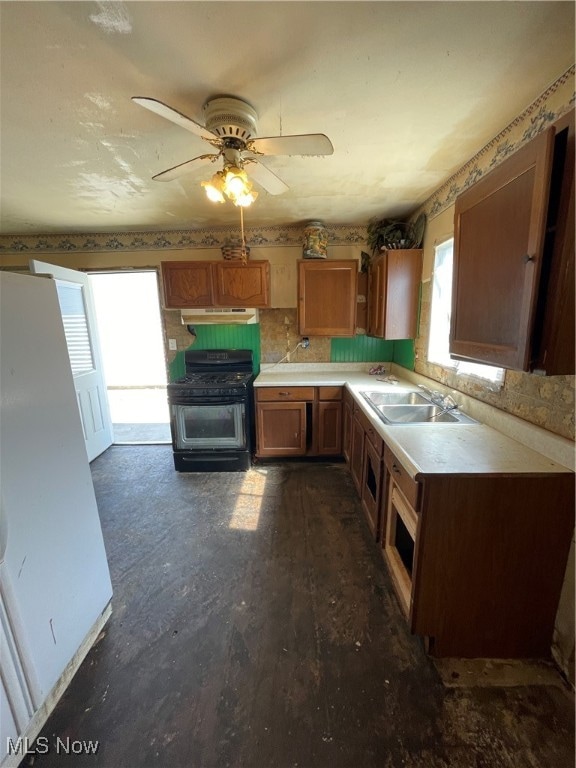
x=219, y=316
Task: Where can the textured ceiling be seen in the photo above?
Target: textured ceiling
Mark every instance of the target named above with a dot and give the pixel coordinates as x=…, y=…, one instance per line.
x=406, y=91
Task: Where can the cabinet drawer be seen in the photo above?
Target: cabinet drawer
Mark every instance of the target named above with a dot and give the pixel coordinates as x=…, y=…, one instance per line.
x=409, y=487
x=287, y=394
x=329, y=393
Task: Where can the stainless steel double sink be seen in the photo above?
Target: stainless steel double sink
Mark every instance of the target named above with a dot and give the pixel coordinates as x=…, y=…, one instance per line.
x=408, y=407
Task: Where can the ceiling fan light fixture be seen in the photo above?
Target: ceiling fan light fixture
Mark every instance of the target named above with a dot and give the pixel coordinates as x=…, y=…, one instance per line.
x=246, y=198
x=215, y=188
x=235, y=181
x=231, y=183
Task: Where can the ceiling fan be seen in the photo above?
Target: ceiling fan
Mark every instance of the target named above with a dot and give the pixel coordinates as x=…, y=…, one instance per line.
x=230, y=126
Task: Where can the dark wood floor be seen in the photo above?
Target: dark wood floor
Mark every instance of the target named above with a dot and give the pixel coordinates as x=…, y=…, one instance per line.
x=254, y=626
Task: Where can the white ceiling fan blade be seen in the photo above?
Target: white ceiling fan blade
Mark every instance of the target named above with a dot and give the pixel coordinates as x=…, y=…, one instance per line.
x=304, y=144
x=264, y=176
x=173, y=115
x=187, y=167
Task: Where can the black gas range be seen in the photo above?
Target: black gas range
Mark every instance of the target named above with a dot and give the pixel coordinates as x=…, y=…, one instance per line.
x=211, y=411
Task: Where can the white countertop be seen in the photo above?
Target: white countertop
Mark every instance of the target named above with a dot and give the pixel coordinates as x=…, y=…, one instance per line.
x=316, y=378
x=445, y=448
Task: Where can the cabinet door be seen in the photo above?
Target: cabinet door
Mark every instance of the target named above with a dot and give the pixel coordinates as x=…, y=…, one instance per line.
x=376, y=289
x=330, y=428
x=357, y=454
x=394, y=294
x=327, y=293
x=553, y=341
x=187, y=284
x=281, y=429
x=346, y=427
x=371, y=486
x=498, y=244
x=403, y=273
x=242, y=285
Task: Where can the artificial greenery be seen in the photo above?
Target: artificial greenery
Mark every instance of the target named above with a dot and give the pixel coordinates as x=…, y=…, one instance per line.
x=394, y=234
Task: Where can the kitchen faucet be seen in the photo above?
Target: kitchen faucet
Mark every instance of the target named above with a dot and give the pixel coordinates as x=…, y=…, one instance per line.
x=438, y=398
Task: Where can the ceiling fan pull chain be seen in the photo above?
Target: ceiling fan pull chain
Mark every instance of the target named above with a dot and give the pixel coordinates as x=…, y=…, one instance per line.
x=243, y=251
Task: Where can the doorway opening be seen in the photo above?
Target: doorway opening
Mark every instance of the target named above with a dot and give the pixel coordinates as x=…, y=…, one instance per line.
x=131, y=340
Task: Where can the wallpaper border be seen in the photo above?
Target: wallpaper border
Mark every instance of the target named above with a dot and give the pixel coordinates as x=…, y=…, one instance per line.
x=290, y=235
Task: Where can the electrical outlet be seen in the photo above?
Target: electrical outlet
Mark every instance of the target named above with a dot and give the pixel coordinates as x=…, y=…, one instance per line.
x=305, y=343
x=172, y=345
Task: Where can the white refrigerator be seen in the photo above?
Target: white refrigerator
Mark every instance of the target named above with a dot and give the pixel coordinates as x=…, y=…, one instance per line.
x=55, y=588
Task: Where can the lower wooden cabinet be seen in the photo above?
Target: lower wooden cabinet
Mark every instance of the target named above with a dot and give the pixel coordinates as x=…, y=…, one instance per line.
x=281, y=429
x=366, y=449
x=478, y=561
x=371, y=489
x=329, y=428
x=298, y=421
x=347, y=406
x=398, y=527
x=357, y=450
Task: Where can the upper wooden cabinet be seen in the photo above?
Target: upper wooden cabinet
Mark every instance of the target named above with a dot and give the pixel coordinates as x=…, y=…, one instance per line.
x=215, y=284
x=514, y=258
x=553, y=340
x=327, y=293
x=187, y=284
x=241, y=285
x=393, y=294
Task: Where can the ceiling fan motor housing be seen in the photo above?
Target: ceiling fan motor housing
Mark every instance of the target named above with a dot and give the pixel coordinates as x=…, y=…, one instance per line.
x=231, y=118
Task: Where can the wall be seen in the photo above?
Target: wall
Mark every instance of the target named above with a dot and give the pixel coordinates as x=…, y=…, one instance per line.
x=545, y=401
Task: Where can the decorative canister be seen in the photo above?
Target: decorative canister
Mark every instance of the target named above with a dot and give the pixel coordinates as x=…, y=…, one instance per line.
x=315, y=242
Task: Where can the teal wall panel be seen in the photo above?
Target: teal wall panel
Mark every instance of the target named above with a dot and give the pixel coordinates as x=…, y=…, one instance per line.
x=359, y=349
x=221, y=337
x=404, y=353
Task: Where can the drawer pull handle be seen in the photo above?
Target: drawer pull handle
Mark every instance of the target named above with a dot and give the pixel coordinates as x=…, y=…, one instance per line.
x=284, y=393
x=396, y=469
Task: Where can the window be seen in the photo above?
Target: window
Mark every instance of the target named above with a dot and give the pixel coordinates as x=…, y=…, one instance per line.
x=441, y=302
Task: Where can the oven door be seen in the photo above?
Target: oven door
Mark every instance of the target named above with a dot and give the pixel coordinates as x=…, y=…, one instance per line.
x=209, y=426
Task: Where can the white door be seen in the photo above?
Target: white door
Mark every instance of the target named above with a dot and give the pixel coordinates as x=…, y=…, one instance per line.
x=80, y=327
